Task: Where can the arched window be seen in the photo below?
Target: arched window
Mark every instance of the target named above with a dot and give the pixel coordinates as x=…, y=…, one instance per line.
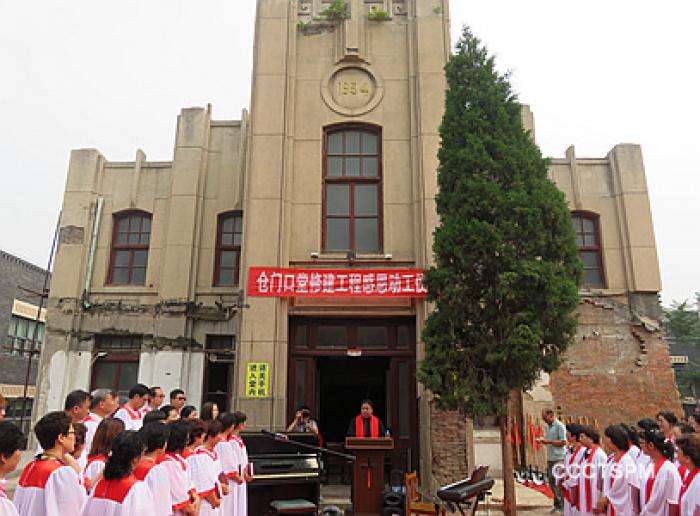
x=587, y=230
x=228, y=249
x=130, y=240
x=352, y=189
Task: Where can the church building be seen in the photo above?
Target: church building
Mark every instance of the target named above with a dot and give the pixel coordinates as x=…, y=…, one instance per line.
x=276, y=260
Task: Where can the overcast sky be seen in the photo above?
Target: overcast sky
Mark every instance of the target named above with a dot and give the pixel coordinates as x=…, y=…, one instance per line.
x=113, y=75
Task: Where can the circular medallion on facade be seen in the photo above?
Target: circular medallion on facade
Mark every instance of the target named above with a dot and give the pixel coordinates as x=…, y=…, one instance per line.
x=352, y=90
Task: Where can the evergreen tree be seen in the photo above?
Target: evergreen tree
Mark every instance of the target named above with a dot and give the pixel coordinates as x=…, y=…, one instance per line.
x=505, y=284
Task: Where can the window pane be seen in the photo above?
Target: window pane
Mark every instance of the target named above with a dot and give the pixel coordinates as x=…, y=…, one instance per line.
x=369, y=167
x=146, y=225
x=228, y=258
x=134, y=224
x=140, y=258
x=145, y=238
x=236, y=239
x=122, y=238
x=592, y=278
x=352, y=167
x=335, y=143
x=369, y=143
x=332, y=337
x=22, y=328
x=579, y=240
x=366, y=235
x=134, y=238
x=590, y=240
x=238, y=224
x=338, y=199
x=225, y=277
x=128, y=375
x=372, y=337
x=123, y=224
x=366, y=200
x=578, y=224
x=138, y=276
x=120, y=276
x=337, y=234
x=105, y=375
x=227, y=225
x=227, y=239
x=590, y=260
x=300, y=383
x=352, y=142
x=588, y=226
x=335, y=167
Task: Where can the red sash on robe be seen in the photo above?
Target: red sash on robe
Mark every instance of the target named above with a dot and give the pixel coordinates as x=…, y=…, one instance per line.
x=587, y=478
x=569, y=495
x=373, y=426
x=115, y=490
x=133, y=414
x=37, y=472
x=686, y=484
x=652, y=479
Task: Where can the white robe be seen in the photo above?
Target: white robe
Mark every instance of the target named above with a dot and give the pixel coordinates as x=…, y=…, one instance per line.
x=591, y=468
x=7, y=508
x=665, y=489
x=60, y=493
x=180, y=490
x=204, y=473
x=227, y=459
x=91, y=423
x=158, y=482
x=690, y=503
x=618, y=480
x=572, y=471
x=242, y=465
x=134, y=502
x=94, y=468
x=132, y=419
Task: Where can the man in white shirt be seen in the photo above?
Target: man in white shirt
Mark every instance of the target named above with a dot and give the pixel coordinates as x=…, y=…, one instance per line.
x=155, y=400
x=104, y=403
x=130, y=413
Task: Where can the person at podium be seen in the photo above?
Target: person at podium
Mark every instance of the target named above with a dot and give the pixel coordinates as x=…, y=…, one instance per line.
x=366, y=424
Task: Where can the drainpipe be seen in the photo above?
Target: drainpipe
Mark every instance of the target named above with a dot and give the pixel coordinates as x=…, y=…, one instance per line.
x=91, y=254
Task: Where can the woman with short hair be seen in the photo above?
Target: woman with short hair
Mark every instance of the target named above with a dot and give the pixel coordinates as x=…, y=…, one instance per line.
x=689, y=456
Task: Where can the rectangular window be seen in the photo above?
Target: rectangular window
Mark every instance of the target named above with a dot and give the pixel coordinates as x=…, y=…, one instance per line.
x=352, y=208
x=131, y=239
x=228, y=249
x=588, y=241
x=116, y=363
x=20, y=334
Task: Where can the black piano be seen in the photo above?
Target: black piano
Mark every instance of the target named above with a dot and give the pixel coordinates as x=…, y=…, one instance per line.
x=281, y=470
x=468, y=492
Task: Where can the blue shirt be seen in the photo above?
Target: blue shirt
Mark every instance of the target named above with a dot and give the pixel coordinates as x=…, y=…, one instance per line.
x=555, y=432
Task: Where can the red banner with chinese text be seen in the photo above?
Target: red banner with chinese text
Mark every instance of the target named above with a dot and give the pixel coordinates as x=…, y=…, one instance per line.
x=274, y=282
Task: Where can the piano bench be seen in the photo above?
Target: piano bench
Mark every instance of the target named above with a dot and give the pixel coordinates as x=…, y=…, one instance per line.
x=293, y=507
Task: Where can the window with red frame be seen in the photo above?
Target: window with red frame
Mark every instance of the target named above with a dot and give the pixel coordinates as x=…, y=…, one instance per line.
x=228, y=249
x=130, y=241
x=588, y=241
x=352, y=202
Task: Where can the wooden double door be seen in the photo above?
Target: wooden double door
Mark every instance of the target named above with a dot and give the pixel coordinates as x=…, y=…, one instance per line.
x=335, y=364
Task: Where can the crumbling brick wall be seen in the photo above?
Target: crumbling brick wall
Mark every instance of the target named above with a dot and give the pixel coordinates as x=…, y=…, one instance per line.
x=618, y=369
x=448, y=436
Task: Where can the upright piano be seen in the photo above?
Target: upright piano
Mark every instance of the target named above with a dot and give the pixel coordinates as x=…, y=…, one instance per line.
x=281, y=470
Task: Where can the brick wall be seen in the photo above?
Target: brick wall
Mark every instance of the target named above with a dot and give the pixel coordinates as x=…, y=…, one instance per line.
x=448, y=436
x=618, y=370
x=16, y=272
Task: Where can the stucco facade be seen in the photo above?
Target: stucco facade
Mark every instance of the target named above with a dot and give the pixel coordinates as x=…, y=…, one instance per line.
x=309, y=77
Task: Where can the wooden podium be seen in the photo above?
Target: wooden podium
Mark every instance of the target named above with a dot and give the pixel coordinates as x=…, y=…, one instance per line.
x=368, y=473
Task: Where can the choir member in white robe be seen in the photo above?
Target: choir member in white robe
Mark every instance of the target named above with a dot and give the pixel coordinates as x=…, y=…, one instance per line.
x=620, y=474
x=205, y=470
x=183, y=497
x=689, y=456
x=50, y=485
x=572, y=469
x=130, y=413
x=155, y=438
x=104, y=403
x=107, y=431
x=592, y=466
x=227, y=460
x=244, y=473
x=660, y=481
x=119, y=492
x=12, y=442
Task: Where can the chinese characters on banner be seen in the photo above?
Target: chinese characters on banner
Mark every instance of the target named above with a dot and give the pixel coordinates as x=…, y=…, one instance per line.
x=273, y=282
x=257, y=380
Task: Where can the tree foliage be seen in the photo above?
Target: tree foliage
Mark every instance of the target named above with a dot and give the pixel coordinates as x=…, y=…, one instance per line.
x=505, y=284
x=682, y=323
